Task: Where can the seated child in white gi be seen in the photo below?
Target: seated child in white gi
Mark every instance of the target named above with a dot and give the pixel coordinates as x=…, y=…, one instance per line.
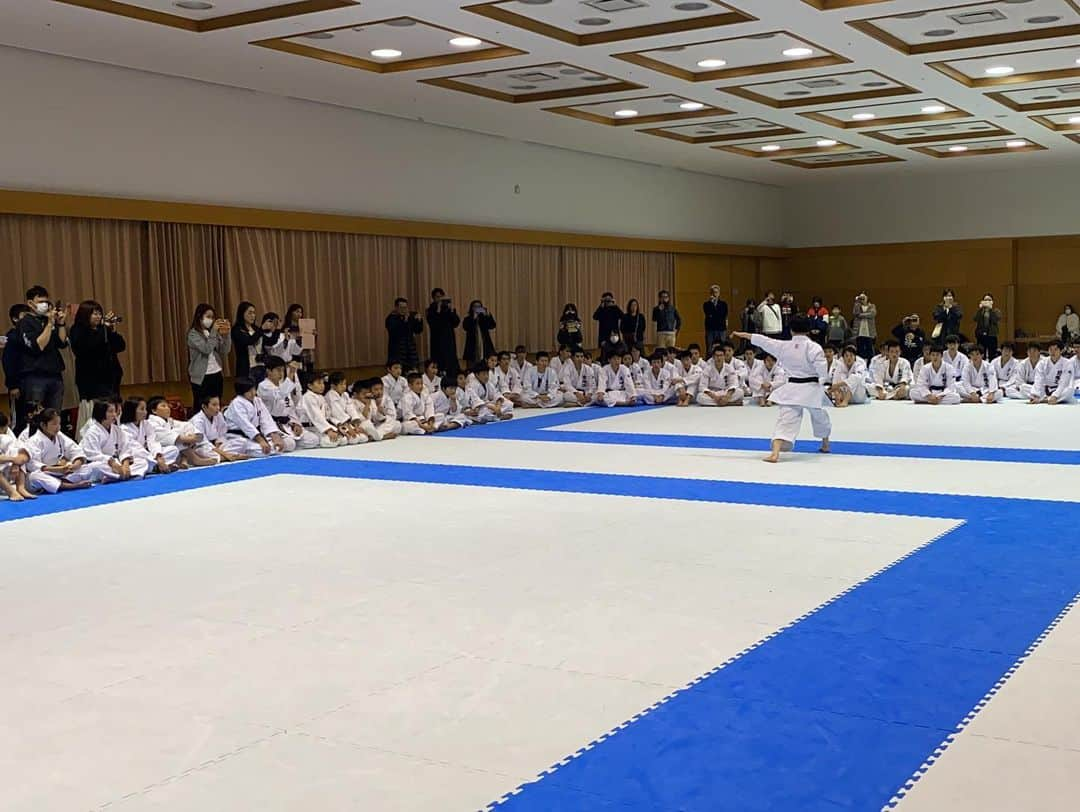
x=893, y=376
x=13, y=461
x=937, y=382
x=578, y=380
x=656, y=385
x=417, y=411
x=448, y=403
x=142, y=439
x=57, y=463
x=615, y=386
x=979, y=383
x=106, y=445
x=849, y=379
x=317, y=413
x=384, y=412
x=193, y=447
x=1053, y=378
x=720, y=384
x=541, y=389
x=209, y=423
x=1019, y=387
x=766, y=375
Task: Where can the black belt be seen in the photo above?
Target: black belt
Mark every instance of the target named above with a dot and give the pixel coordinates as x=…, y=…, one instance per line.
x=284, y=420
x=802, y=380
x=1050, y=389
x=937, y=388
x=239, y=433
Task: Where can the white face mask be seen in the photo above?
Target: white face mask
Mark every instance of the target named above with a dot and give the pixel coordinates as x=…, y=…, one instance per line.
x=42, y=308
x=207, y=323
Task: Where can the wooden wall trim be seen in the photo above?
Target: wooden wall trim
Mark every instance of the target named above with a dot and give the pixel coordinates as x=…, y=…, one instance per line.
x=897, y=247
x=116, y=208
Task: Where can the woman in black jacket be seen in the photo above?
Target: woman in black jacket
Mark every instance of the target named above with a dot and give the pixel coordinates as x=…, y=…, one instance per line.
x=947, y=315
x=442, y=321
x=95, y=345
x=247, y=339
x=478, y=325
x=632, y=325
x=402, y=327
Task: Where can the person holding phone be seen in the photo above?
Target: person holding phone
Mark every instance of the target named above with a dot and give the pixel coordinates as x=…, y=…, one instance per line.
x=442, y=321
x=987, y=324
x=864, y=325
x=402, y=327
x=95, y=344
x=43, y=332
x=478, y=325
x=208, y=342
x=947, y=315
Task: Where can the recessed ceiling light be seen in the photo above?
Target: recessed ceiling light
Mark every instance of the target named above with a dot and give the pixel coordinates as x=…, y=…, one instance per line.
x=692, y=106
x=826, y=142
x=711, y=63
x=465, y=42
x=934, y=108
x=318, y=35
x=999, y=70
x=863, y=117
x=795, y=53
x=193, y=5
x=770, y=148
x=625, y=113
x=690, y=6
x=1074, y=119
x=385, y=53
x=958, y=148
x=1016, y=144
x=594, y=21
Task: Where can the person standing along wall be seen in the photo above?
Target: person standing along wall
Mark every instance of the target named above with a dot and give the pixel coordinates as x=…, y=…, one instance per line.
x=716, y=315
x=44, y=333
x=95, y=345
x=987, y=325
x=402, y=325
x=864, y=325
x=442, y=320
x=667, y=319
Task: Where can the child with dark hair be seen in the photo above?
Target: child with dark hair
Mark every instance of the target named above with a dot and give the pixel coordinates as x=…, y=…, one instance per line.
x=432, y=381
x=13, y=460
x=279, y=392
x=337, y=398
x=495, y=405
x=395, y=384
x=193, y=447
x=315, y=414
x=107, y=446
x=417, y=410
x=57, y=463
x=448, y=403
x=615, y=386
x=142, y=439
x=1053, y=377
x=541, y=388
x=247, y=434
x=384, y=415
x=209, y=423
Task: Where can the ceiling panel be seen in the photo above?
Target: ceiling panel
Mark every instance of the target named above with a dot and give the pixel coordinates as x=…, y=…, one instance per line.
x=389, y=46
x=876, y=114
x=755, y=54
x=945, y=131
x=711, y=132
x=1051, y=97
x=865, y=157
x=555, y=80
x=201, y=16
x=787, y=147
x=1021, y=67
x=639, y=110
x=973, y=25
x=1060, y=122
x=821, y=89
x=967, y=149
x=591, y=22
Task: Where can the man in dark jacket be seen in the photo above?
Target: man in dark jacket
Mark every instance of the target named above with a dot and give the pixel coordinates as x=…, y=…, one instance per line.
x=442, y=321
x=911, y=338
x=43, y=333
x=401, y=326
x=13, y=364
x=716, y=313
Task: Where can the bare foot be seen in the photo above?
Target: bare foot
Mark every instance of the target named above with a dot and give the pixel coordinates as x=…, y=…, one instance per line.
x=25, y=494
x=15, y=496
x=824, y=446
x=771, y=458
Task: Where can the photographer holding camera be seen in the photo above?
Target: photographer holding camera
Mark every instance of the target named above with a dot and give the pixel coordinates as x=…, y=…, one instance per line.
x=987, y=325
x=401, y=326
x=442, y=320
x=478, y=325
x=95, y=345
x=44, y=333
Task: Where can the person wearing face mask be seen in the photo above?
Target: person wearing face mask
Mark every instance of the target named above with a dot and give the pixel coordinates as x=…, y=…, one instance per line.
x=44, y=333
x=95, y=345
x=208, y=342
x=608, y=318
x=987, y=323
x=1068, y=325
x=570, y=328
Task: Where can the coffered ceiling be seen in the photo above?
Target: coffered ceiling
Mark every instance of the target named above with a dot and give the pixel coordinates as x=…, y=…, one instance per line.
x=778, y=91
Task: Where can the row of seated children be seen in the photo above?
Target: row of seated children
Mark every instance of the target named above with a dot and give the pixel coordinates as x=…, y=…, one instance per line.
x=571, y=378
x=948, y=375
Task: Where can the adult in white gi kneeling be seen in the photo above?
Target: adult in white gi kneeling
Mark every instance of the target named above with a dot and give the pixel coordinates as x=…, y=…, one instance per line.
x=804, y=362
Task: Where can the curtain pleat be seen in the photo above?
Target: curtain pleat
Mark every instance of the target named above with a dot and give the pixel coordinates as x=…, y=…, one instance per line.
x=154, y=274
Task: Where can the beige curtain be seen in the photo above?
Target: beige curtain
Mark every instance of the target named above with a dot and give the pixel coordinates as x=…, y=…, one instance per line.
x=185, y=266
x=154, y=274
x=589, y=272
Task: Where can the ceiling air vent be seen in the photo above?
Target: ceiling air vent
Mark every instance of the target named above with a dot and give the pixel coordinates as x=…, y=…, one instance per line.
x=611, y=6
x=817, y=84
x=533, y=77
x=978, y=17
x=1069, y=90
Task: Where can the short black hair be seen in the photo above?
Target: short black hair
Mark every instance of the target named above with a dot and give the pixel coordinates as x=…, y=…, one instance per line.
x=1057, y=342
x=35, y=291
x=520, y=348
x=412, y=376
x=448, y=383
x=430, y=362
x=394, y=362
x=935, y=347
x=437, y=292
x=693, y=347
x=334, y=378
x=952, y=339
x=400, y=300
x=269, y=316
x=976, y=348
x=274, y=362
x=543, y=354
x=800, y=323
x=834, y=346
x=684, y=354
x=243, y=386
x=479, y=367
x=1034, y=345
x=204, y=401
x=1007, y=344
x=127, y=411
x=3, y=420
x=850, y=348
x=154, y=402
x=46, y=416
x=17, y=311
x=892, y=342
x=614, y=354
x=100, y=409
